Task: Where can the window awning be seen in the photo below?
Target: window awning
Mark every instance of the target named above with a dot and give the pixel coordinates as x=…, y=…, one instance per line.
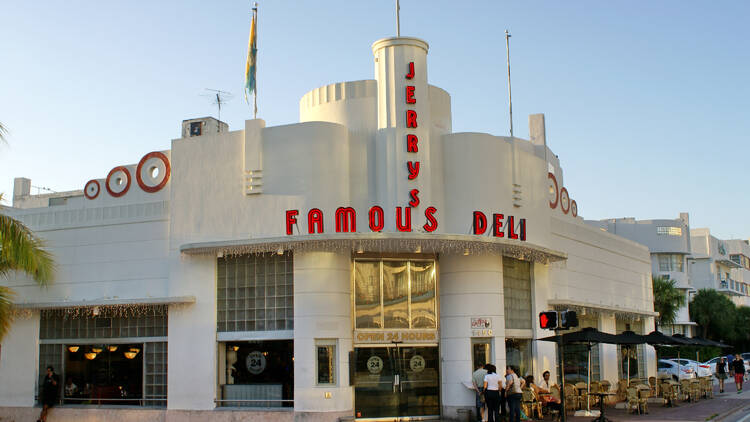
x=105, y=302
x=381, y=242
x=596, y=308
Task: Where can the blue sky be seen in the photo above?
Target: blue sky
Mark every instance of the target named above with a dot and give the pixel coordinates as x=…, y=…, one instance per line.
x=647, y=103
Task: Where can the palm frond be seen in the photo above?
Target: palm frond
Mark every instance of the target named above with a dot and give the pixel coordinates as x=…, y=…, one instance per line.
x=21, y=250
x=6, y=308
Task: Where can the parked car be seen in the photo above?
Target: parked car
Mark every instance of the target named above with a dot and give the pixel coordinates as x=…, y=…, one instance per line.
x=669, y=369
x=701, y=370
x=712, y=363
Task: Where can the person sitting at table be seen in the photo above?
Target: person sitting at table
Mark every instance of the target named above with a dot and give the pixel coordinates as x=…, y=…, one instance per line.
x=544, y=396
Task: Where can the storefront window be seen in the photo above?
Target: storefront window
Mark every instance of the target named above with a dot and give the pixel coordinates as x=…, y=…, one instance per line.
x=395, y=294
x=632, y=357
x=481, y=352
x=257, y=374
x=577, y=356
x=517, y=291
x=104, y=365
x=367, y=297
x=518, y=354
x=325, y=353
x=104, y=374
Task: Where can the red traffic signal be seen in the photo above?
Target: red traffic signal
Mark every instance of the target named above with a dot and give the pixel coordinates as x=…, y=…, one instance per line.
x=548, y=320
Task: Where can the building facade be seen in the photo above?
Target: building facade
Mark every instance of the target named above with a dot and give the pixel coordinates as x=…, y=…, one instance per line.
x=669, y=244
x=719, y=264
x=356, y=264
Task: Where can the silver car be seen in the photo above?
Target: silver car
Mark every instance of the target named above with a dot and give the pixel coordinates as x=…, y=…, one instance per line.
x=670, y=369
x=701, y=369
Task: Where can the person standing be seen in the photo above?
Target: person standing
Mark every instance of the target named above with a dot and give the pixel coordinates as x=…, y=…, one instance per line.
x=477, y=378
x=493, y=383
x=50, y=389
x=513, y=386
x=721, y=373
x=738, y=367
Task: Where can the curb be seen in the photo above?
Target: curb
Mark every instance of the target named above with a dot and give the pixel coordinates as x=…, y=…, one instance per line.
x=732, y=411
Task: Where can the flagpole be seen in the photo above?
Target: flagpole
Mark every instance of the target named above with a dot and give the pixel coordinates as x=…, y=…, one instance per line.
x=255, y=91
x=398, y=19
x=510, y=101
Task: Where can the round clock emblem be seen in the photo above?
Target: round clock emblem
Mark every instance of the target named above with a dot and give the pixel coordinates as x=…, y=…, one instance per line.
x=255, y=362
x=417, y=363
x=564, y=200
x=375, y=364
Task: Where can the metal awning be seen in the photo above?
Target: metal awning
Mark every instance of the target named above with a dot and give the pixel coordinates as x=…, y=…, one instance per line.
x=381, y=243
x=61, y=304
x=599, y=308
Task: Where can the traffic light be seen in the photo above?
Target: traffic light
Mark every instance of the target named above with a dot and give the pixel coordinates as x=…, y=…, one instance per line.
x=568, y=319
x=548, y=320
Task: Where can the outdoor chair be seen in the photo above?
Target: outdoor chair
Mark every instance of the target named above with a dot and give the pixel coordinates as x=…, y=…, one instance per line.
x=622, y=386
x=605, y=386
x=595, y=388
x=632, y=400
x=529, y=403
x=668, y=393
x=555, y=392
x=654, y=386
x=708, y=387
x=695, y=389
x=685, y=390
x=571, y=397
x=581, y=392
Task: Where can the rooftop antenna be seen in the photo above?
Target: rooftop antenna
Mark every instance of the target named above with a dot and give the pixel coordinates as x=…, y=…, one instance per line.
x=219, y=98
x=398, y=19
x=39, y=189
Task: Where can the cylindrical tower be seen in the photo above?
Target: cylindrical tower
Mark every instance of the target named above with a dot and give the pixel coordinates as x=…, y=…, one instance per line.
x=402, y=144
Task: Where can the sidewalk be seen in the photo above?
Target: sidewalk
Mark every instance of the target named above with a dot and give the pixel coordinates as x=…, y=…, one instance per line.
x=721, y=406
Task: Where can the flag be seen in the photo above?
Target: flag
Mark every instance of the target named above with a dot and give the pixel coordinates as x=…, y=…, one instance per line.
x=252, y=52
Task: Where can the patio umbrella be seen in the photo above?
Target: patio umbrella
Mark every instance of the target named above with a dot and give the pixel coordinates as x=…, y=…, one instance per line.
x=628, y=339
x=712, y=343
x=588, y=336
x=688, y=342
x=657, y=338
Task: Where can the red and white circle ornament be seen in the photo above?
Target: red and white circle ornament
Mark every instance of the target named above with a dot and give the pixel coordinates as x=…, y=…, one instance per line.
x=153, y=172
x=553, y=194
x=118, y=181
x=92, y=189
x=573, y=208
x=564, y=200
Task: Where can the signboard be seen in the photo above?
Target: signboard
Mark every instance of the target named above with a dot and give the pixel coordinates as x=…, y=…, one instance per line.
x=481, y=327
x=396, y=336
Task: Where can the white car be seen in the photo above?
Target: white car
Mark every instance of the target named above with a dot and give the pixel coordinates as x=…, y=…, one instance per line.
x=669, y=369
x=712, y=364
x=701, y=369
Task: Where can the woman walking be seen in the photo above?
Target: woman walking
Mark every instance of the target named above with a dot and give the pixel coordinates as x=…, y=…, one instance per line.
x=513, y=386
x=492, y=385
x=721, y=373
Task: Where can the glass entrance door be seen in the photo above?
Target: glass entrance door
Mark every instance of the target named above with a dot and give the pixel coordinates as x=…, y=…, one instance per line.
x=398, y=382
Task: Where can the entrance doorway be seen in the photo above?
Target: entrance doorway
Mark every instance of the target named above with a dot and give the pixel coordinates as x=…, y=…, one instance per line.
x=396, y=382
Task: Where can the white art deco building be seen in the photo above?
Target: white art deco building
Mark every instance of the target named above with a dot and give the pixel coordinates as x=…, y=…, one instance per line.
x=355, y=264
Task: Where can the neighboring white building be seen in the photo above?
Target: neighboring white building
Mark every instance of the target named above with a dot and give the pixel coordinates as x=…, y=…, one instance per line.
x=358, y=263
x=669, y=244
x=718, y=264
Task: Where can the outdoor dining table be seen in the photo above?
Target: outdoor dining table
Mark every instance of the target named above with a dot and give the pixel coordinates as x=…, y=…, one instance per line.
x=602, y=396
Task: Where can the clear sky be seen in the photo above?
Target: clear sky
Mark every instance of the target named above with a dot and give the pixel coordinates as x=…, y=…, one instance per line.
x=647, y=103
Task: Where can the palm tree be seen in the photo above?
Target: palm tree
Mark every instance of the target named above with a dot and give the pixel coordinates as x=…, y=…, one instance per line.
x=668, y=300
x=714, y=313
x=20, y=250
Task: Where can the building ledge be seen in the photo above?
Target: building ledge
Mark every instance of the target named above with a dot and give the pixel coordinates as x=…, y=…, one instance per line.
x=106, y=302
x=382, y=242
x=599, y=308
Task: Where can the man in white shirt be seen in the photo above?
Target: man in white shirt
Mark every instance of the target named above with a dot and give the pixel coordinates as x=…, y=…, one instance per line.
x=544, y=386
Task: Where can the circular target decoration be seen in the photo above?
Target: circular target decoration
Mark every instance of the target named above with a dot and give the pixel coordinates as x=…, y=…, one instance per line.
x=553, y=191
x=118, y=181
x=375, y=364
x=417, y=363
x=153, y=172
x=255, y=362
x=564, y=200
x=574, y=208
x=91, y=190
